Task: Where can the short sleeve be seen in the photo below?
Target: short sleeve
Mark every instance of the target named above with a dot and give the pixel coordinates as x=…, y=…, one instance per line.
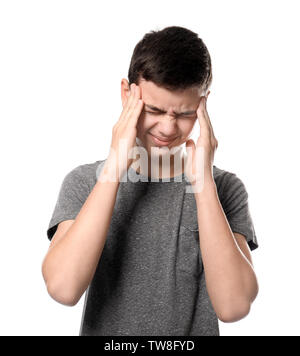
x=72, y=195
x=236, y=208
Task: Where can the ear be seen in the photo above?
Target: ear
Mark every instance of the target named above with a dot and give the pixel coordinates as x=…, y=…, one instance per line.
x=125, y=91
x=207, y=94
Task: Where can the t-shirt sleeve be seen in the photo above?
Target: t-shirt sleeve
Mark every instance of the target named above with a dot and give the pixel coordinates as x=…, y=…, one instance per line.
x=236, y=208
x=72, y=195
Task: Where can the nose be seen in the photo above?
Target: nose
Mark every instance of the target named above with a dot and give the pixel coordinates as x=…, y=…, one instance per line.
x=167, y=126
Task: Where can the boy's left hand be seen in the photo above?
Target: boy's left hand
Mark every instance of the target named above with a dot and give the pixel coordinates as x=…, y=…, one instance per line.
x=208, y=144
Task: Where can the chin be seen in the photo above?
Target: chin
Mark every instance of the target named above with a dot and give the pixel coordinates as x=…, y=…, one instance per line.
x=148, y=143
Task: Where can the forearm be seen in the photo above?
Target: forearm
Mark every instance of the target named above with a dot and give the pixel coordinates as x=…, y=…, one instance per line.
x=230, y=278
x=71, y=263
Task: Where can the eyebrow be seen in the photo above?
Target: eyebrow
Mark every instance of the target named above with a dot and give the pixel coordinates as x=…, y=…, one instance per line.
x=163, y=111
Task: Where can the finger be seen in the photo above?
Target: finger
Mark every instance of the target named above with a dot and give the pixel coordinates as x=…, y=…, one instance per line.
x=136, y=113
x=134, y=103
x=208, y=120
x=205, y=129
x=126, y=105
x=135, y=97
x=128, y=102
x=137, y=107
x=205, y=113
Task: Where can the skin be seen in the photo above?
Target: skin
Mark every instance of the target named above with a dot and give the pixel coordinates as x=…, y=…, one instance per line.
x=230, y=278
x=177, y=120
x=77, y=245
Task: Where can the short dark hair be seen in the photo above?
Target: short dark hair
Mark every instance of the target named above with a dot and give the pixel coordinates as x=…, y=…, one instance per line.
x=174, y=58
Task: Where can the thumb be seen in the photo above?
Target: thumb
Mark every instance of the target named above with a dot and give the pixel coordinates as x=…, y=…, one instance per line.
x=190, y=147
x=190, y=143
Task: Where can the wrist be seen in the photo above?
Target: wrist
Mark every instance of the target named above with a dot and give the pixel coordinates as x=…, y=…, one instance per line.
x=206, y=191
x=110, y=172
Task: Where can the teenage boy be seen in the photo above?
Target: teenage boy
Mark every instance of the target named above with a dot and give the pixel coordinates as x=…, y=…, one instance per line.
x=153, y=257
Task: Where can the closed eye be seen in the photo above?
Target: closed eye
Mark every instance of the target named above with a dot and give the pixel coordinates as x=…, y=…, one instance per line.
x=153, y=113
x=188, y=116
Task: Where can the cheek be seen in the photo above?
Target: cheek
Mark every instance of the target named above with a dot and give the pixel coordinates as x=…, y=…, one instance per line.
x=143, y=126
x=186, y=126
x=145, y=123
x=141, y=122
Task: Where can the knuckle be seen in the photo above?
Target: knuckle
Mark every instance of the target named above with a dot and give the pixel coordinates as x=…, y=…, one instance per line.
x=115, y=127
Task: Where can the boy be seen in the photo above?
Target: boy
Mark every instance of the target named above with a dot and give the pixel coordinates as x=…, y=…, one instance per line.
x=153, y=257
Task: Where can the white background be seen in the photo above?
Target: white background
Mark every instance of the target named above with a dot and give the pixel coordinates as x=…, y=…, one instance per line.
x=61, y=65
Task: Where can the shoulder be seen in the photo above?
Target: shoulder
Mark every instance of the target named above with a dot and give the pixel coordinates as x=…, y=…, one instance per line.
x=228, y=182
x=86, y=173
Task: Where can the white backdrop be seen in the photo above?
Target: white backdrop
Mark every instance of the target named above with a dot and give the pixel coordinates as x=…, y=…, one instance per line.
x=61, y=65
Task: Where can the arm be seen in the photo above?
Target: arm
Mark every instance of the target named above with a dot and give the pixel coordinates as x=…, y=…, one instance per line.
x=72, y=258
x=230, y=279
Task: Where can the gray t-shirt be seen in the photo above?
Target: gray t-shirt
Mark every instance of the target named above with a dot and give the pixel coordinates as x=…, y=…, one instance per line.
x=150, y=279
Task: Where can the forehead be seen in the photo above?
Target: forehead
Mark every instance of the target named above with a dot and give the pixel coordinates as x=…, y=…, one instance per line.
x=166, y=100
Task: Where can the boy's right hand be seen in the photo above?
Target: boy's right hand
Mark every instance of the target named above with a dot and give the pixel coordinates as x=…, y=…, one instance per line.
x=125, y=129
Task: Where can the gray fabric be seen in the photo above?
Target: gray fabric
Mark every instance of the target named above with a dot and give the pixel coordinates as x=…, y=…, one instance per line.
x=150, y=278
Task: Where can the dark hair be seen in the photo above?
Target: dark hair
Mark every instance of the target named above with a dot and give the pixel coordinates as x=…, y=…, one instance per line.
x=174, y=58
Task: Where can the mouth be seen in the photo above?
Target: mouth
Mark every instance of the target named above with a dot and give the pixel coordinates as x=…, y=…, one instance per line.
x=160, y=142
